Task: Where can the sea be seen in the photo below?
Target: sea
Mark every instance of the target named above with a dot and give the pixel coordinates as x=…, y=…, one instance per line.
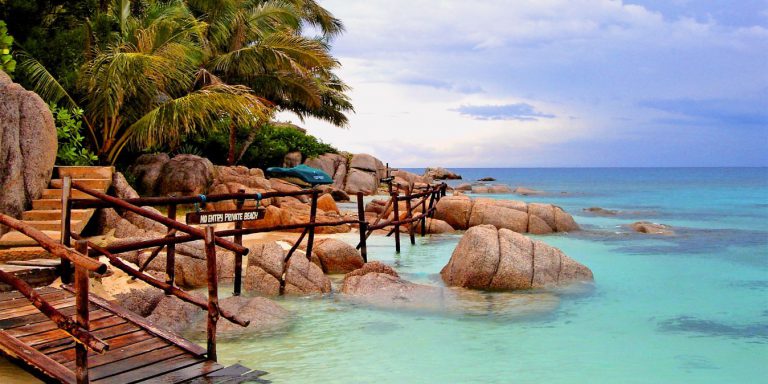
x=687, y=308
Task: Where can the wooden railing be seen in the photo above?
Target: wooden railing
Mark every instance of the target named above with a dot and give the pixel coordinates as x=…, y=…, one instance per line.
x=433, y=193
x=77, y=328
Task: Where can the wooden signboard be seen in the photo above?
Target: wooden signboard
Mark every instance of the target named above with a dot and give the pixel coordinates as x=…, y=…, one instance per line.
x=215, y=217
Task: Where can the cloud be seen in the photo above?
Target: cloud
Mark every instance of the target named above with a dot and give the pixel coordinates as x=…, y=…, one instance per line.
x=731, y=112
x=518, y=111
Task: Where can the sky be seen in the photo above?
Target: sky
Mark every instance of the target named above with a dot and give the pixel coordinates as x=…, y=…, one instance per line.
x=554, y=83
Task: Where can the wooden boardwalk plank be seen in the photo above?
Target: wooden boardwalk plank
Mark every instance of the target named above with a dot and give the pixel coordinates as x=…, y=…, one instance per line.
x=56, y=345
x=122, y=352
x=34, y=318
x=45, y=326
x=199, y=369
x=149, y=327
x=66, y=355
x=20, y=302
x=30, y=309
x=33, y=359
x=16, y=294
x=56, y=334
x=156, y=356
x=153, y=370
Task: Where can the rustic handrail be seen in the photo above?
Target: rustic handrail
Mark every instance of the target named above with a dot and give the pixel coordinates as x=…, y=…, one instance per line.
x=181, y=294
x=199, y=233
x=158, y=201
x=62, y=321
x=52, y=246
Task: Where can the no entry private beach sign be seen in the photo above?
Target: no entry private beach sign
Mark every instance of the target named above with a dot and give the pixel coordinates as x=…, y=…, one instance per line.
x=215, y=217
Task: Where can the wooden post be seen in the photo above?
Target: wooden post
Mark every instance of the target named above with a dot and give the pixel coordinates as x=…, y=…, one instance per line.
x=363, y=227
x=66, y=229
x=396, y=205
x=81, y=308
x=213, y=291
x=312, y=217
x=170, y=251
x=409, y=209
x=239, y=241
x=423, y=217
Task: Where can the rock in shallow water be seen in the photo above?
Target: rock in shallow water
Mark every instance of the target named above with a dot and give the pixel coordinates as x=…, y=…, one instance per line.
x=499, y=259
x=378, y=285
x=652, y=228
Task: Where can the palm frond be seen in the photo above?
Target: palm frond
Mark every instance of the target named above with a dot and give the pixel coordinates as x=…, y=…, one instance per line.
x=42, y=81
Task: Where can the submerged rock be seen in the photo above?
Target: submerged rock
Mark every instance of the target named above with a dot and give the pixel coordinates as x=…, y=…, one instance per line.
x=499, y=259
x=652, y=228
x=601, y=211
x=378, y=285
x=265, y=269
x=264, y=315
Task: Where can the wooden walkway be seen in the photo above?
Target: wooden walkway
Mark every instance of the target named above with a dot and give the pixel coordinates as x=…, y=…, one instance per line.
x=138, y=351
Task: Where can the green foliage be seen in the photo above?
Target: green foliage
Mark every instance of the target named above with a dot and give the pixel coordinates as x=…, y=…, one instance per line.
x=7, y=63
x=71, y=148
x=271, y=143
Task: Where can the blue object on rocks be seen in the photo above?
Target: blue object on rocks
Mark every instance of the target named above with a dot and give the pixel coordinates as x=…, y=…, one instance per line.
x=307, y=174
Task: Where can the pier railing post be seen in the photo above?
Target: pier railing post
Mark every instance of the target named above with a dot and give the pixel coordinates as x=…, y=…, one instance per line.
x=213, y=291
x=312, y=217
x=239, y=241
x=170, y=251
x=424, y=216
x=363, y=227
x=396, y=209
x=66, y=229
x=409, y=209
x=81, y=309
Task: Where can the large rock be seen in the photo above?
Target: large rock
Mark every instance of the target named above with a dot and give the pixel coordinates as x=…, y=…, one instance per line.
x=249, y=177
x=186, y=175
x=361, y=181
x=264, y=315
x=499, y=259
x=121, y=188
x=140, y=301
x=454, y=210
x=28, y=146
x=380, y=286
x=266, y=266
x=652, y=228
x=365, y=162
x=146, y=171
x=436, y=226
x=336, y=256
x=488, y=212
x=440, y=173
x=175, y=314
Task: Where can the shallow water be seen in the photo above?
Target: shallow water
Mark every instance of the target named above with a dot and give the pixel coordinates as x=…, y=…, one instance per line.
x=687, y=308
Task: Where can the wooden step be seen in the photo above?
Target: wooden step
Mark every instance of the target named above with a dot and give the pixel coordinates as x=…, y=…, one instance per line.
x=52, y=225
x=46, y=204
x=54, y=214
x=18, y=239
x=78, y=172
x=52, y=193
x=24, y=253
x=97, y=184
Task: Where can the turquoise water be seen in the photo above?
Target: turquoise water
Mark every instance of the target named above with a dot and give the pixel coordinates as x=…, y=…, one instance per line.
x=692, y=308
x=689, y=308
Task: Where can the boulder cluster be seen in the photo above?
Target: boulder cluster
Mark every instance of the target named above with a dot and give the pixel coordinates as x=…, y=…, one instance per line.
x=28, y=146
x=462, y=212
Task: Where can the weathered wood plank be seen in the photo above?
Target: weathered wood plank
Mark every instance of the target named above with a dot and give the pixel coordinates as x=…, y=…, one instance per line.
x=156, y=356
x=22, y=301
x=34, y=360
x=33, y=318
x=123, y=352
x=66, y=355
x=193, y=371
x=149, y=327
x=30, y=309
x=153, y=370
x=16, y=294
x=55, y=334
x=45, y=326
x=106, y=332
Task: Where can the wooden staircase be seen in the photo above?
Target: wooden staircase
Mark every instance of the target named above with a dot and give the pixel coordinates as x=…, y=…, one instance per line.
x=45, y=214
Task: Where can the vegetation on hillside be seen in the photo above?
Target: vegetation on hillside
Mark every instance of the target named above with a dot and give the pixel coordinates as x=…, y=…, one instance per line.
x=149, y=73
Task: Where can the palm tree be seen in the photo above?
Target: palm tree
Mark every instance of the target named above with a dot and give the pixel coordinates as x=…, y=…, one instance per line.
x=181, y=67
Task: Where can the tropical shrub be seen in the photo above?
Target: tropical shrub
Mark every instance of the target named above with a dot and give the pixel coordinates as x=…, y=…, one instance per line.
x=7, y=63
x=72, y=150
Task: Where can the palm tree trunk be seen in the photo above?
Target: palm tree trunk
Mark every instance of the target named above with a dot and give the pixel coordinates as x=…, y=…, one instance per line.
x=248, y=141
x=232, y=143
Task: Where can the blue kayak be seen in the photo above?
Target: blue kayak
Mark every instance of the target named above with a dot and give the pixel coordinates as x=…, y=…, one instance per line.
x=307, y=175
